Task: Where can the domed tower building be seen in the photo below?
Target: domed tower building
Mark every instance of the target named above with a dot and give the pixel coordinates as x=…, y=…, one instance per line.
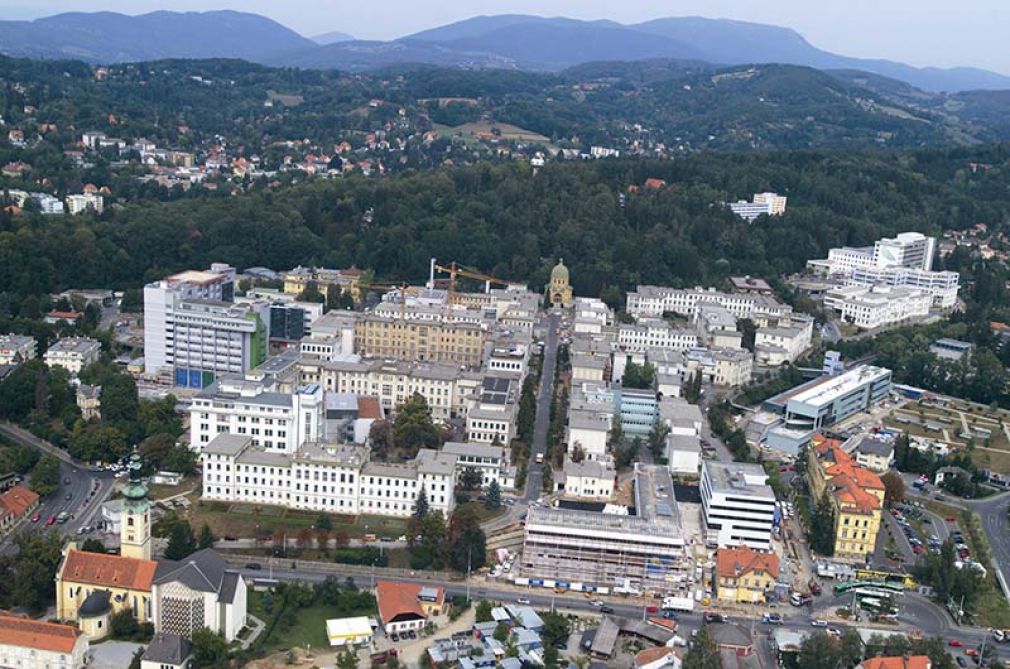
x=559, y=290
x=135, y=528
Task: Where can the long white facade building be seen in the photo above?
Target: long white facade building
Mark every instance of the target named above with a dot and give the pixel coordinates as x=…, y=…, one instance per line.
x=335, y=478
x=655, y=300
x=870, y=307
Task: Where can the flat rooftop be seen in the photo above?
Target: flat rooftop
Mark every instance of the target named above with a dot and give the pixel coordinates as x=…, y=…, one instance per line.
x=738, y=478
x=828, y=388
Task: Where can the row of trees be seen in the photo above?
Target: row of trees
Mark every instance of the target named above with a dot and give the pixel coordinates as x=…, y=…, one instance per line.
x=433, y=543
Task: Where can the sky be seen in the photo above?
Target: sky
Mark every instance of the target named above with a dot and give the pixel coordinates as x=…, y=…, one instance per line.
x=940, y=33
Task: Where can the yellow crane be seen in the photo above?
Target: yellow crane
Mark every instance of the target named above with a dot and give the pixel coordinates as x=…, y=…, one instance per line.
x=454, y=270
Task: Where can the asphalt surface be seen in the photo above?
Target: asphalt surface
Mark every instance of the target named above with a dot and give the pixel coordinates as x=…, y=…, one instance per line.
x=534, y=471
x=917, y=612
x=86, y=489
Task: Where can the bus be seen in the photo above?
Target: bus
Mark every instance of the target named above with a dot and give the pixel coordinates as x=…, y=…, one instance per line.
x=887, y=576
x=890, y=586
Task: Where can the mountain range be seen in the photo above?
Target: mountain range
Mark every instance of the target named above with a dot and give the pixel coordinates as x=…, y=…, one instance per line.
x=520, y=42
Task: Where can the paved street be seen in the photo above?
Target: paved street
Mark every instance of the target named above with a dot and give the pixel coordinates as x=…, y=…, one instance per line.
x=534, y=472
x=917, y=612
x=86, y=489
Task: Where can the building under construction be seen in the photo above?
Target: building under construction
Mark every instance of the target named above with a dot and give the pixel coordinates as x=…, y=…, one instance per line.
x=642, y=548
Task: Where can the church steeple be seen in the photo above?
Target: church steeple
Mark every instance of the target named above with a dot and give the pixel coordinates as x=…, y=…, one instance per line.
x=135, y=528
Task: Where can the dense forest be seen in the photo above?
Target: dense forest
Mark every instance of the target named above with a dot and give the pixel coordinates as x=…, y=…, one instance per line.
x=508, y=221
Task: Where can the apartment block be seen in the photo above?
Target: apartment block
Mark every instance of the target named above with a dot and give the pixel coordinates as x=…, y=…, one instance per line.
x=875, y=306
x=73, y=353
x=587, y=479
x=491, y=420
x=655, y=333
x=656, y=300
x=299, y=278
x=389, y=337
x=491, y=461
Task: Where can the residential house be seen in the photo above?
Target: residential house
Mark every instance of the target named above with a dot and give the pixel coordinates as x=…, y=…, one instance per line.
x=34, y=644
x=407, y=606
x=903, y=662
x=15, y=504
x=744, y=574
x=167, y=651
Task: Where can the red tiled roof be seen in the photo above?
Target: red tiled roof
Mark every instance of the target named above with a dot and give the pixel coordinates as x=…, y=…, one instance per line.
x=849, y=480
x=25, y=633
x=396, y=599
x=67, y=315
x=18, y=500
x=114, y=571
x=735, y=562
x=654, y=183
x=650, y=655
x=369, y=407
x=911, y=662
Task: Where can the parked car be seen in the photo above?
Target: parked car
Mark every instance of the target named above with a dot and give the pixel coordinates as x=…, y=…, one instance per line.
x=50, y=520
x=771, y=619
x=818, y=623
x=522, y=600
x=36, y=517
x=394, y=637
x=713, y=617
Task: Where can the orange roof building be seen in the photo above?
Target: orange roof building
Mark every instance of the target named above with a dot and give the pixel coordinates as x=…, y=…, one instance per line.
x=48, y=644
x=15, y=504
x=905, y=662
x=743, y=574
x=407, y=606
x=856, y=492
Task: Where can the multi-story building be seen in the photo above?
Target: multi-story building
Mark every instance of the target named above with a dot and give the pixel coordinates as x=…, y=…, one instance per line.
x=292, y=321
x=377, y=336
x=280, y=422
x=874, y=453
x=591, y=315
x=335, y=478
x=733, y=367
x=656, y=300
x=942, y=287
x=445, y=387
x=15, y=349
x=646, y=551
x=738, y=505
x=815, y=405
x=743, y=574
x=491, y=461
x=587, y=479
x=73, y=353
x=769, y=204
x=35, y=644
x=78, y=204
x=877, y=306
x=347, y=280
x=491, y=420
x=655, y=333
x=194, y=331
x=856, y=493
x=911, y=250
x=783, y=342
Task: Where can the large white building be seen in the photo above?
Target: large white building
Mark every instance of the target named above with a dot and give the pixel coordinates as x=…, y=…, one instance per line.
x=73, y=354
x=785, y=341
x=491, y=461
x=491, y=420
x=770, y=204
x=335, y=478
x=587, y=480
x=447, y=388
x=911, y=250
x=655, y=333
x=279, y=422
x=194, y=331
x=942, y=287
x=827, y=400
x=738, y=505
x=875, y=306
x=655, y=300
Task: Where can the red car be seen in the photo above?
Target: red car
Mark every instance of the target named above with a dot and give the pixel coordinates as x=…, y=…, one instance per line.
x=951, y=519
x=954, y=643
x=652, y=608
x=36, y=517
x=50, y=520
x=917, y=549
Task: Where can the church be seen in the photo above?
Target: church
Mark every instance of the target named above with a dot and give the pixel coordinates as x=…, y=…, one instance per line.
x=178, y=597
x=559, y=290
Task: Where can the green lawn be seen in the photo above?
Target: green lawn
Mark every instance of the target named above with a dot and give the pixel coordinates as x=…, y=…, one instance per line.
x=309, y=627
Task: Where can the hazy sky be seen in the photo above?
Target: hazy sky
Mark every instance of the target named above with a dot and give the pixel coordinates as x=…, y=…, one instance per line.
x=918, y=32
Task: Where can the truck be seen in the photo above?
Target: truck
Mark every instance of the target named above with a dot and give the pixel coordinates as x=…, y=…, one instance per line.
x=685, y=604
x=800, y=599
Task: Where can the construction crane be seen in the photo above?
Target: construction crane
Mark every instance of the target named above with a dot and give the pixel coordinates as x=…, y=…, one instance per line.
x=455, y=269
x=402, y=288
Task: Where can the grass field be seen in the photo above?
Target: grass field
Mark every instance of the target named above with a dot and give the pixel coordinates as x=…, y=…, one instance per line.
x=487, y=129
x=245, y=520
x=309, y=628
x=992, y=453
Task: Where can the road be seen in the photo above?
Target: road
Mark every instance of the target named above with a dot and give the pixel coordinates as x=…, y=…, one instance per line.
x=86, y=489
x=534, y=471
x=916, y=611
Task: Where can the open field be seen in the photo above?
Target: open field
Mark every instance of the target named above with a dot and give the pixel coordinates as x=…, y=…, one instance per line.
x=488, y=129
x=246, y=520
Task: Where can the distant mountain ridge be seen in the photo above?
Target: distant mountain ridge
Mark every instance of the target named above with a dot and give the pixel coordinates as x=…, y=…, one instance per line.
x=508, y=41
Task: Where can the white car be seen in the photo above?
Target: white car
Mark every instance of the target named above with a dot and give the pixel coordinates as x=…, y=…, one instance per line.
x=597, y=603
x=818, y=623
x=522, y=600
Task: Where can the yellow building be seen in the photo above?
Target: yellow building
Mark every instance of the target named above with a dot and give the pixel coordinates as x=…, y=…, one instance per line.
x=856, y=493
x=559, y=291
x=349, y=280
x=744, y=574
x=378, y=336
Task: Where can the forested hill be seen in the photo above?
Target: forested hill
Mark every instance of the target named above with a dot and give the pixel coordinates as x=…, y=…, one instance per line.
x=668, y=107
x=505, y=220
